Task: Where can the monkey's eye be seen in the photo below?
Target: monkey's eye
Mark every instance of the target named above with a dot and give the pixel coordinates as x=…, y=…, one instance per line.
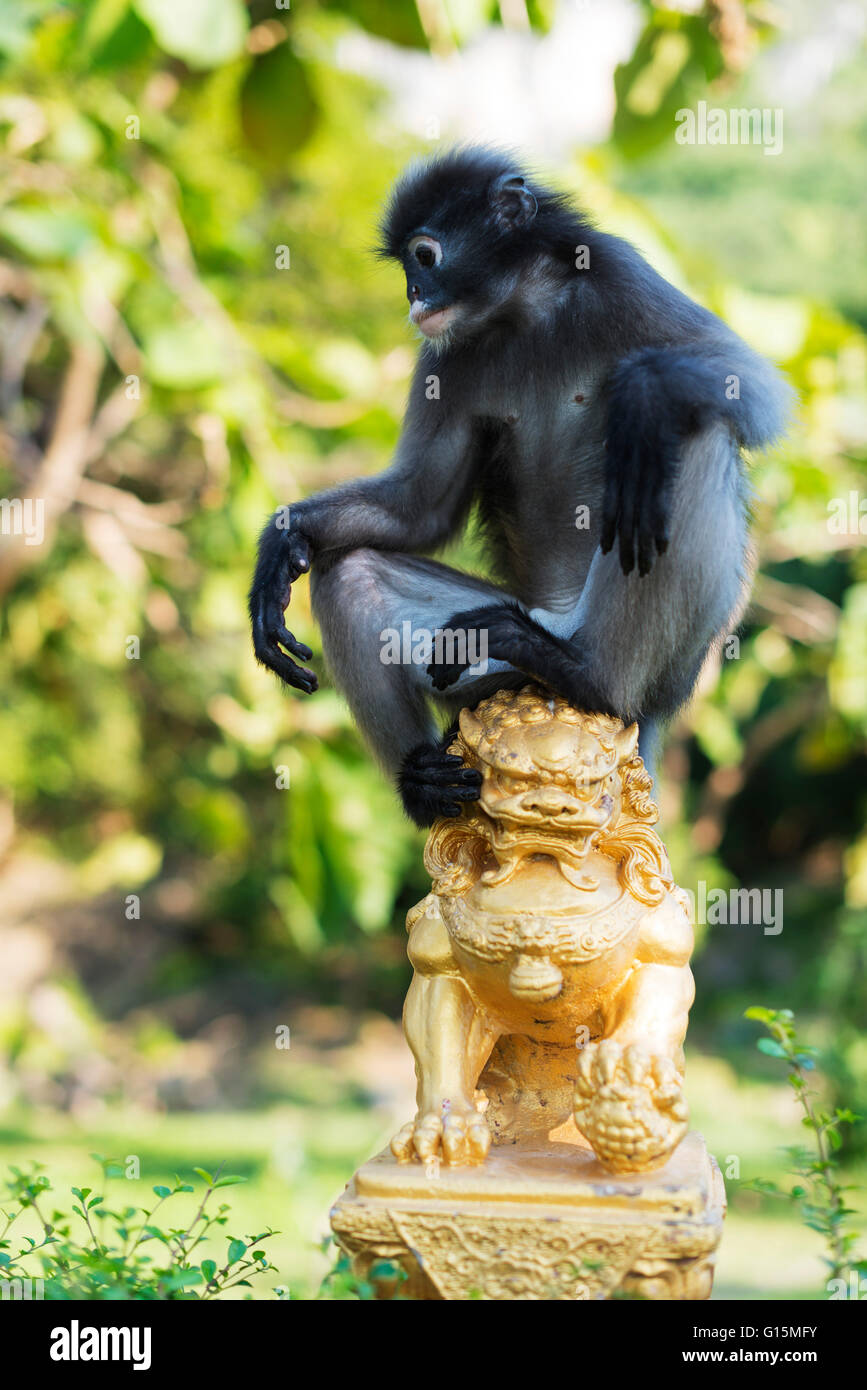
x=425, y=251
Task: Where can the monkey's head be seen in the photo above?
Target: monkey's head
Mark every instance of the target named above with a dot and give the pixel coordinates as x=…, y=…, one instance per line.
x=465, y=227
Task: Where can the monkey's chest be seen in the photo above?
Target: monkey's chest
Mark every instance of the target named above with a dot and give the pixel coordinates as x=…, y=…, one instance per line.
x=541, y=488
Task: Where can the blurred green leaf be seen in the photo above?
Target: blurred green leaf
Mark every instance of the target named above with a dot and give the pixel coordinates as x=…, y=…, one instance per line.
x=204, y=33
x=278, y=108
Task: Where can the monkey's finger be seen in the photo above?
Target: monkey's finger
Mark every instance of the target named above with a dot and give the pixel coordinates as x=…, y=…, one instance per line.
x=269, y=611
x=610, y=509
x=296, y=676
x=446, y=778
x=662, y=509
x=626, y=527
x=432, y=775
x=444, y=676
x=607, y=1059
x=646, y=554
x=625, y=467
x=636, y=1063
x=285, y=638
x=270, y=654
x=451, y=763
x=435, y=757
x=276, y=631
x=646, y=500
x=465, y=793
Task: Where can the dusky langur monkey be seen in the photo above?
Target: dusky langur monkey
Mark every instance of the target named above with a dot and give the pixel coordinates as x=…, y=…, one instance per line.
x=561, y=379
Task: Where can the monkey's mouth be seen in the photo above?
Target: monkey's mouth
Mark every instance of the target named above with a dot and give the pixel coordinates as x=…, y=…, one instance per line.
x=432, y=322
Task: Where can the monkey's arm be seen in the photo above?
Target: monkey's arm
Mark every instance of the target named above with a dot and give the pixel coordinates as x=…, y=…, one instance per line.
x=414, y=505
x=658, y=399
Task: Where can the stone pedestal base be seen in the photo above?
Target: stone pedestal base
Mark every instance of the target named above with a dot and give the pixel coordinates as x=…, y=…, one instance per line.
x=536, y=1222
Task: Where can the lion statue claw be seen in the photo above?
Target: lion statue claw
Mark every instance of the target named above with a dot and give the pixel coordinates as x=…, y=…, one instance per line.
x=629, y=1105
x=551, y=958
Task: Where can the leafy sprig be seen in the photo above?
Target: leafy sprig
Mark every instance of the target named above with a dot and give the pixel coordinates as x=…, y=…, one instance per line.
x=819, y=1195
x=109, y=1258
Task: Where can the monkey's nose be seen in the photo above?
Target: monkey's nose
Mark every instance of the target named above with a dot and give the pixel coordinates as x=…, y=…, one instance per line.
x=413, y=293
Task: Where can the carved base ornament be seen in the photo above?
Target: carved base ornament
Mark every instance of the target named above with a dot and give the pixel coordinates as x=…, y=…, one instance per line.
x=546, y=1016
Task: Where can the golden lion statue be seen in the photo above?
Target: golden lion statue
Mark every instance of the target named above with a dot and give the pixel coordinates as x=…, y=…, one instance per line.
x=551, y=960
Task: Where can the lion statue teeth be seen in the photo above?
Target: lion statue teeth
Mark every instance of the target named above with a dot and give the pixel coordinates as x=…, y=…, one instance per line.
x=551, y=958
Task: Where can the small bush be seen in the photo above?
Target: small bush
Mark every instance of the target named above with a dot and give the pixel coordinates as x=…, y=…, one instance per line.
x=97, y=1252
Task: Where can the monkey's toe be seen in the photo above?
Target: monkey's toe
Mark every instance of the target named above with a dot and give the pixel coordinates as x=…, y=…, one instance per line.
x=433, y=783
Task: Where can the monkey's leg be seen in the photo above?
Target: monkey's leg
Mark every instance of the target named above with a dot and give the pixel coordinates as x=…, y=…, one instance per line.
x=450, y=1041
x=379, y=614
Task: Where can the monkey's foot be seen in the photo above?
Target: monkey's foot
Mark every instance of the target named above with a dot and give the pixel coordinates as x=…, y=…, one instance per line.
x=435, y=783
x=629, y=1105
x=501, y=628
x=457, y=1137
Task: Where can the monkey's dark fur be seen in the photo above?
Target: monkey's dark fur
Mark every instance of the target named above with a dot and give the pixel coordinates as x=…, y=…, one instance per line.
x=543, y=388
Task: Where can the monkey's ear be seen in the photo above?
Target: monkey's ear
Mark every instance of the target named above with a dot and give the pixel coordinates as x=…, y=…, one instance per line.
x=513, y=204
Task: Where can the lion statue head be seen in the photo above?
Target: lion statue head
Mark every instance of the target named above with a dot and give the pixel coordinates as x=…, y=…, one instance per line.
x=555, y=782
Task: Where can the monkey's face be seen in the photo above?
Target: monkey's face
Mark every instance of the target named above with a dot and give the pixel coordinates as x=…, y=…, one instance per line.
x=454, y=280
x=458, y=284
x=460, y=228
x=428, y=286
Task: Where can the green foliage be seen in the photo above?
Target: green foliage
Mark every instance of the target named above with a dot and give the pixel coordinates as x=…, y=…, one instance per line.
x=147, y=198
x=341, y=1284
x=204, y=33
x=819, y=1196
x=124, y=1253
x=677, y=57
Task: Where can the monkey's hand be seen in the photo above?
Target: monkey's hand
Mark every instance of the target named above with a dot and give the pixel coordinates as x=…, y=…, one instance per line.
x=284, y=554
x=644, y=442
x=435, y=783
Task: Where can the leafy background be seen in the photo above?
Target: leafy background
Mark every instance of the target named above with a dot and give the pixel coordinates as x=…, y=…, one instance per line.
x=163, y=385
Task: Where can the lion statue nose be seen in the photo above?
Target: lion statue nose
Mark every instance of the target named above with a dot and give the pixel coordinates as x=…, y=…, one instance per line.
x=550, y=801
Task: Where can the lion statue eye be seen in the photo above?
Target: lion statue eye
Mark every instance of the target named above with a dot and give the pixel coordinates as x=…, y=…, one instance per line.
x=513, y=786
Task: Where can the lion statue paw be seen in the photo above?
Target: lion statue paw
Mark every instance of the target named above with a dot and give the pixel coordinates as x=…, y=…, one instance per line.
x=456, y=1136
x=629, y=1105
